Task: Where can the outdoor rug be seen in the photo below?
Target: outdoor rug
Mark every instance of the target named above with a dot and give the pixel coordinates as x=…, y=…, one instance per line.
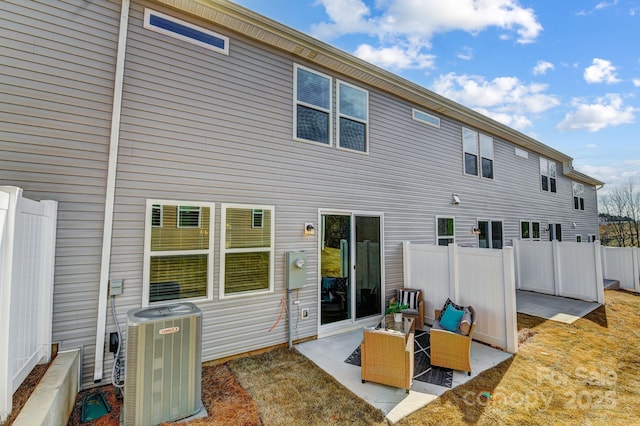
x=423, y=371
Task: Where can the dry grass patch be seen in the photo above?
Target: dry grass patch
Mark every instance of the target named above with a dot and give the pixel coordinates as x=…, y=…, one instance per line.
x=578, y=374
x=291, y=390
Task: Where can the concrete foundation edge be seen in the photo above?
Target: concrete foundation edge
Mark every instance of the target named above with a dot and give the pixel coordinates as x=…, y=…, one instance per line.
x=51, y=403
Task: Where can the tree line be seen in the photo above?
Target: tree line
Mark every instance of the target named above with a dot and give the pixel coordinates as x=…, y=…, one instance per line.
x=620, y=215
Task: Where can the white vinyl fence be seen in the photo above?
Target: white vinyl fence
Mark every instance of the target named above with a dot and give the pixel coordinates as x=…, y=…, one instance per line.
x=622, y=264
x=483, y=278
x=565, y=269
x=27, y=254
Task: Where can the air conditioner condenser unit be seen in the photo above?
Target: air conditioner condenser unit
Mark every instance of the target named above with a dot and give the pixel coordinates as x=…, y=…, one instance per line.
x=163, y=368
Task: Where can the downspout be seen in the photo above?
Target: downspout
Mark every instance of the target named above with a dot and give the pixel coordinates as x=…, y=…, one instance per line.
x=110, y=193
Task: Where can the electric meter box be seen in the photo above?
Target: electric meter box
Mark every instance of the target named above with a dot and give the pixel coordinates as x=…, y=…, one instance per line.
x=296, y=269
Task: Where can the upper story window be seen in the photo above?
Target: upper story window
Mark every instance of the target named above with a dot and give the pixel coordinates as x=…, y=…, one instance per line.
x=425, y=118
x=246, y=250
x=178, y=256
x=478, y=153
x=548, y=175
x=313, y=105
x=578, y=196
x=353, y=121
x=445, y=231
x=185, y=31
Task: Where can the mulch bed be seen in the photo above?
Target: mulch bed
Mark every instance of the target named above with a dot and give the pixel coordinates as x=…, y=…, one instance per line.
x=227, y=403
x=25, y=390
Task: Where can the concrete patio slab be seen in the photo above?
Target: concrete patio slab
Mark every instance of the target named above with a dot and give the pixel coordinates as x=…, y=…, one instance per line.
x=329, y=354
x=555, y=308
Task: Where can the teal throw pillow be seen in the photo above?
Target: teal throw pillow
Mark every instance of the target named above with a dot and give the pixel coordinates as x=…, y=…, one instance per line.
x=451, y=318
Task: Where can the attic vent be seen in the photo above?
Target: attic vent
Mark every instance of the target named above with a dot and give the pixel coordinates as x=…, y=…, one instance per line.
x=176, y=28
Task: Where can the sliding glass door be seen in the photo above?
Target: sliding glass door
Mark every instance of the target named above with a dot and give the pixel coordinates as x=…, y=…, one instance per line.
x=350, y=267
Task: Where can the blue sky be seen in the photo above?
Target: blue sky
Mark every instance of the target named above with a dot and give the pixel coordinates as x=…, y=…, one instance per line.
x=564, y=72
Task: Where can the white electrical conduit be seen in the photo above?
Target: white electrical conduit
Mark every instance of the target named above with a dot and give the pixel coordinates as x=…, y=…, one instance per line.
x=110, y=193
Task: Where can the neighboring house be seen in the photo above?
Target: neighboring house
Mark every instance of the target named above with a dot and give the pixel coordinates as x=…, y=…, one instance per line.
x=191, y=148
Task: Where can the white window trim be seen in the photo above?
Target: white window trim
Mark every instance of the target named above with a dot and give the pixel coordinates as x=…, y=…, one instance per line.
x=296, y=103
x=359, y=120
x=420, y=120
x=577, y=194
x=479, y=156
x=438, y=237
x=224, y=250
x=547, y=173
x=147, y=25
x=531, y=237
x=147, y=250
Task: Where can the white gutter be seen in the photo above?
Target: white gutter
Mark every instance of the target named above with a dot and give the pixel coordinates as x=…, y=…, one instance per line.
x=114, y=140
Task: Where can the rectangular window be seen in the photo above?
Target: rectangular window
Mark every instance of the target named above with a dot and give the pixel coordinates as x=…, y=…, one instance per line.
x=156, y=215
x=445, y=231
x=530, y=230
x=246, y=251
x=312, y=113
x=188, y=217
x=578, y=238
x=185, y=31
x=525, y=232
x=578, y=195
x=425, y=118
x=178, y=260
x=478, y=154
x=548, y=175
x=353, y=117
x=257, y=219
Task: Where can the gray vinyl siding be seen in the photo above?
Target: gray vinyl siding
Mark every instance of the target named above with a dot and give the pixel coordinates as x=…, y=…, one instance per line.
x=197, y=125
x=56, y=85
x=201, y=126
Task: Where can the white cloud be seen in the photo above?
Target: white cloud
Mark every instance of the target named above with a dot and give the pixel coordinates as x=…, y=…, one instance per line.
x=604, y=4
x=636, y=82
x=601, y=71
x=505, y=99
x=542, y=67
x=611, y=175
x=395, y=57
x=592, y=146
x=607, y=111
x=466, y=53
x=411, y=24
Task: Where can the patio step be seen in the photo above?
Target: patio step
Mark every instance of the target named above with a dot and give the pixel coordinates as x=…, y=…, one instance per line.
x=611, y=284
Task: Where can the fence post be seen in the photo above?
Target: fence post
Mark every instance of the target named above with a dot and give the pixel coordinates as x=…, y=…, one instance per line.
x=509, y=283
x=49, y=256
x=597, y=253
x=8, y=204
x=406, y=264
x=557, y=280
x=453, y=271
x=636, y=268
x=516, y=259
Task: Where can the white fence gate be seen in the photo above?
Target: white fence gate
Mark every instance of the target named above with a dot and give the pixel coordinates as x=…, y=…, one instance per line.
x=483, y=278
x=27, y=254
x=560, y=268
x=622, y=264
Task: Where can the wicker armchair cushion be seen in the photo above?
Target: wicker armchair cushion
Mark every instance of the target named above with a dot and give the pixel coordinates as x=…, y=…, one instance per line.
x=446, y=304
x=450, y=320
x=410, y=298
x=465, y=322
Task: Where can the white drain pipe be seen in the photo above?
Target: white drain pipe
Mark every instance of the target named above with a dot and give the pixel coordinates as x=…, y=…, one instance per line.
x=114, y=141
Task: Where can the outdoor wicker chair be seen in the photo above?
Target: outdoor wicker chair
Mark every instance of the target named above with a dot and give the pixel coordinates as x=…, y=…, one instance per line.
x=452, y=349
x=416, y=305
